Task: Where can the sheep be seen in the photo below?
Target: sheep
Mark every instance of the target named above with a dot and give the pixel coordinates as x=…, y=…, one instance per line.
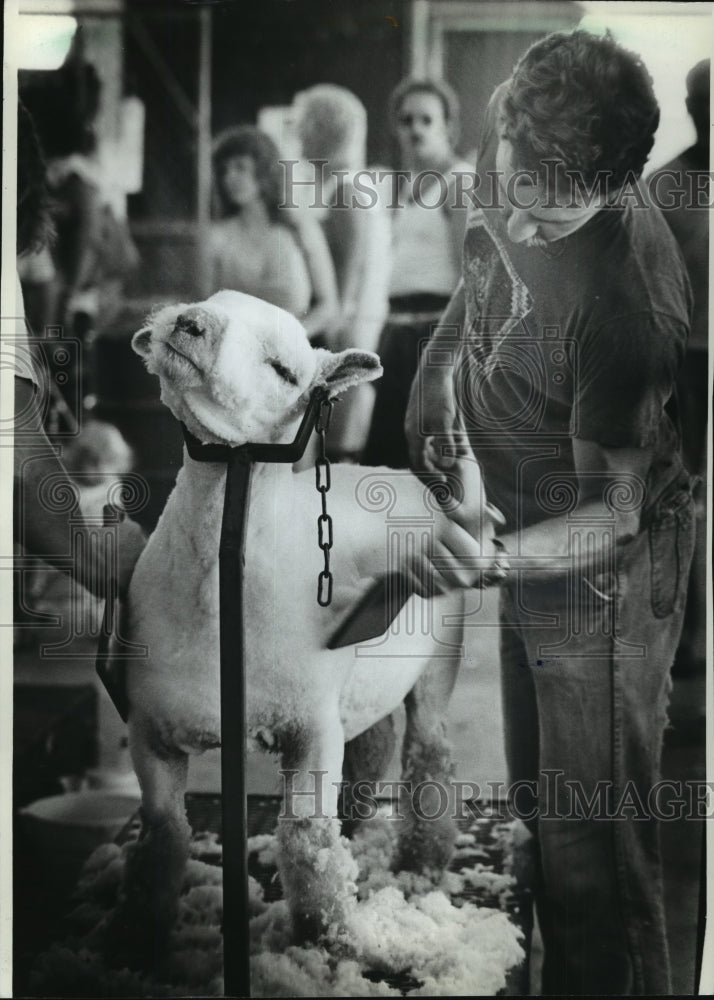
x=235, y=369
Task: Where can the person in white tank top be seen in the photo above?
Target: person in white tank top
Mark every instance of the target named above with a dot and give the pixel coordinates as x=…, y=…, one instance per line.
x=429, y=218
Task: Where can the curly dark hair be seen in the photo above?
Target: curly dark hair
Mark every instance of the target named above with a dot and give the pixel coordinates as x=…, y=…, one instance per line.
x=247, y=140
x=34, y=220
x=585, y=101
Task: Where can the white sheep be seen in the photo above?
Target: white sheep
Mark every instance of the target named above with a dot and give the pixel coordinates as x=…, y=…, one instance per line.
x=235, y=369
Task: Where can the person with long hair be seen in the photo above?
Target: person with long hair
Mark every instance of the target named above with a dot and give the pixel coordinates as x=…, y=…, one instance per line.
x=257, y=248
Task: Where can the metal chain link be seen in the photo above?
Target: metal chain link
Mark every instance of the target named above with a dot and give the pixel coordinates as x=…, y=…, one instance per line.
x=323, y=482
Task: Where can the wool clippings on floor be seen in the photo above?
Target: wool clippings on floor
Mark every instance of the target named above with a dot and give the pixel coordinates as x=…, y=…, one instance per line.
x=403, y=935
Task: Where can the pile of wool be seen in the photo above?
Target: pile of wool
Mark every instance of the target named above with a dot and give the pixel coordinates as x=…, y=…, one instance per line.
x=76, y=967
x=402, y=933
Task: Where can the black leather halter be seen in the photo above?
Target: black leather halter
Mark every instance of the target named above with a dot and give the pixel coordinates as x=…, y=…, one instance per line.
x=256, y=452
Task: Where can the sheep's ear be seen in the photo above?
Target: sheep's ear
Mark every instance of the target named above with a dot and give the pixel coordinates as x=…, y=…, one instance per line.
x=141, y=341
x=351, y=367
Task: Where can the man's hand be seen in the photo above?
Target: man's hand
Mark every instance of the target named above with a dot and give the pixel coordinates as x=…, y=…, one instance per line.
x=454, y=559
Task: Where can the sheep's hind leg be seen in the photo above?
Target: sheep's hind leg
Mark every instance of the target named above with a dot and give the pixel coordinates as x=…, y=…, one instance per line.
x=155, y=865
x=367, y=758
x=317, y=871
x=427, y=833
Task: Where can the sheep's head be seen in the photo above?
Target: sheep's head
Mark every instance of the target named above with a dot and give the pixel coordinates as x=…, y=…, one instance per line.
x=237, y=369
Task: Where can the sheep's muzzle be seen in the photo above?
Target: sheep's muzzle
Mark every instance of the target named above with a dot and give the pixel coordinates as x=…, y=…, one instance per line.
x=198, y=322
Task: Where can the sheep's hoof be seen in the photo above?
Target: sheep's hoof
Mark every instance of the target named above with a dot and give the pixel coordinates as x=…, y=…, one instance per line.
x=308, y=929
x=425, y=855
x=317, y=929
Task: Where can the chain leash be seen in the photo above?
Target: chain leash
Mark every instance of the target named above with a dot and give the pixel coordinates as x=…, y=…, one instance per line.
x=324, y=521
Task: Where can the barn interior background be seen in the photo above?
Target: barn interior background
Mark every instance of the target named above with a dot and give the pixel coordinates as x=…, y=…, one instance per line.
x=172, y=75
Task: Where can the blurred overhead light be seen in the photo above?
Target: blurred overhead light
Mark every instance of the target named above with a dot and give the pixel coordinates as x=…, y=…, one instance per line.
x=43, y=41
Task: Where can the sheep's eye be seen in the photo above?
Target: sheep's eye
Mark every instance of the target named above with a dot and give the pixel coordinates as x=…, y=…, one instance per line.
x=283, y=372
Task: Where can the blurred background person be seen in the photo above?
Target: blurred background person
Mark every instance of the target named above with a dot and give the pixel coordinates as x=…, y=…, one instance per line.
x=332, y=126
x=427, y=241
x=93, y=252
x=682, y=189
x=254, y=246
x=38, y=278
x=39, y=528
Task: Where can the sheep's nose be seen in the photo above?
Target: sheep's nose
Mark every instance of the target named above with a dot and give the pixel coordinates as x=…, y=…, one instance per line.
x=199, y=322
x=186, y=323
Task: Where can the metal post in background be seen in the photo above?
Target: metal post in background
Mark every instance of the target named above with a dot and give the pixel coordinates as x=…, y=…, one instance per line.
x=416, y=38
x=203, y=152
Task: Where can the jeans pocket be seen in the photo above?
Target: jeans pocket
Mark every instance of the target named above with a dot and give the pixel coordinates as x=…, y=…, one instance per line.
x=671, y=536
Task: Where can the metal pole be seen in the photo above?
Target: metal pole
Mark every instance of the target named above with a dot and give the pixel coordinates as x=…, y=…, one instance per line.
x=236, y=923
x=231, y=570
x=203, y=152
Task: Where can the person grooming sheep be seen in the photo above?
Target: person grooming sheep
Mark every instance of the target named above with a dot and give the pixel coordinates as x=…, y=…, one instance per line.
x=566, y=336
x=235, y=369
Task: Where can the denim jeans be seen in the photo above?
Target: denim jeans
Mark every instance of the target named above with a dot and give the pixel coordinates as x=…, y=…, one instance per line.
x=585, y=680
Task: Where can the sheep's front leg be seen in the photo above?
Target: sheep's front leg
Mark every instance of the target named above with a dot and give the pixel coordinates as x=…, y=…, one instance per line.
x=156, y=863
x=426, y=837
x=316, y=868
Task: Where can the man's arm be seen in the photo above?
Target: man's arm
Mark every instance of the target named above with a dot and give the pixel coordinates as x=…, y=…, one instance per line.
x=364, y=265
x=87, y=209
x=431, y=409
x=323, y=314
x=457, y=208
x=569, y=539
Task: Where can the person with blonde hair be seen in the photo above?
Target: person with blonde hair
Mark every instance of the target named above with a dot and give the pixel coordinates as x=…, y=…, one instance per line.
x=331, y=126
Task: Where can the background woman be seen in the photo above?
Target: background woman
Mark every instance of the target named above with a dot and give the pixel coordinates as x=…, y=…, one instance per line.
x=256, y=248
